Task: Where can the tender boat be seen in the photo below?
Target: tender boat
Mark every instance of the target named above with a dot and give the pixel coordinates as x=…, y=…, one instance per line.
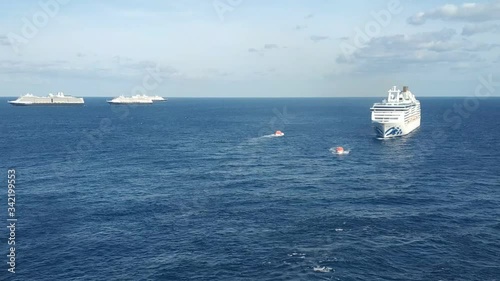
x=278, y=134
x=339, y=150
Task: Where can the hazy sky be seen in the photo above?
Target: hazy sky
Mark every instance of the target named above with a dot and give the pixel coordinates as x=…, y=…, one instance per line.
x=241, y=48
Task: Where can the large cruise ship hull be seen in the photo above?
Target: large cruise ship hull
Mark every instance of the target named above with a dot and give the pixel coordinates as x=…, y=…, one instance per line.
x=391, y=130
x=45, y=104
x=50, y=100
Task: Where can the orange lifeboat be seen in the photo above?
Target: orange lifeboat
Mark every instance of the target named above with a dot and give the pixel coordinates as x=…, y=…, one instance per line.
x=279, y=133
x=339, y=150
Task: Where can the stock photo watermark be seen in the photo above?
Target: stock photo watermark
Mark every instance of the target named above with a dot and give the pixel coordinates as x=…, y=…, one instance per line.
x=93, y=138
x=47, y=10
x=469, y=105
x=11, y=219
x=277, y=122
x=371, y=29
x=222, y=7
x=455, y=117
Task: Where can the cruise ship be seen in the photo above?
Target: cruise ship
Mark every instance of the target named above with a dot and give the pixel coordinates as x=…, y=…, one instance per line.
x=153, y=98
x=158, y=98
x=397, y=115
x=131, y=100
x=58, y=99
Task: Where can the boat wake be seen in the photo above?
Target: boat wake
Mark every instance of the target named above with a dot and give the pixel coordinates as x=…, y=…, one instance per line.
x=260, y=139
x=269, y=136
x=322, y=268
x=277, y=134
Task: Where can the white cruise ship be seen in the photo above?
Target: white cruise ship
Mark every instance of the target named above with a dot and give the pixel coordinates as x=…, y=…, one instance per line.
x=158, y=98
x=153, y=98
x=58, y=99
x=398, y=115
x=131, y=100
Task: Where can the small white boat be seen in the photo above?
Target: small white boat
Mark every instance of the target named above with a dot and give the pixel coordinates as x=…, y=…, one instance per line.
x=339, y=150
x=322, y=268
x=278, y=134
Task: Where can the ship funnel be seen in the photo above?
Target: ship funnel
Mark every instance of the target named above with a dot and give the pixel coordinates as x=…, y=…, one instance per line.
x=405, y=88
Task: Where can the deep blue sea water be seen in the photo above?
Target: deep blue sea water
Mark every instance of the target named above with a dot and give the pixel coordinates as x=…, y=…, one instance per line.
x=193, y=189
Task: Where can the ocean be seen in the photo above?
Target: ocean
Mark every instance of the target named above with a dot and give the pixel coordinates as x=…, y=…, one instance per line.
x=197, y=189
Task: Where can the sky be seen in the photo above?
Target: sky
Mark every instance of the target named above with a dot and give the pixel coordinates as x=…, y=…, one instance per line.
x=248, y=48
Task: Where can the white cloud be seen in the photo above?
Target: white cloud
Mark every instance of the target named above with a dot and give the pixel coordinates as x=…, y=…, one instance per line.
x=472, y=29
x=125, y=69
x=271, y=46
x=468, y=12
x=402, y=52
x=317, y=38
x=116, y=41
x=4, y=41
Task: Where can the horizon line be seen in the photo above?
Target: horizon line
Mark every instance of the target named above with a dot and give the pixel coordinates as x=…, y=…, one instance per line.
x=286, y=97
